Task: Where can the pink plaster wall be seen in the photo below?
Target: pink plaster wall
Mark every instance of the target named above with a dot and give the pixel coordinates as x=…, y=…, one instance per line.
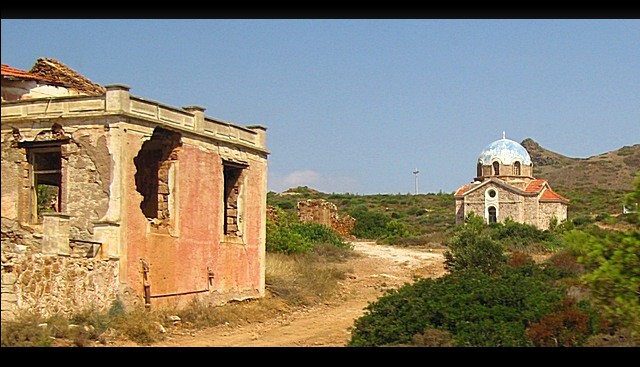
x=180, y=263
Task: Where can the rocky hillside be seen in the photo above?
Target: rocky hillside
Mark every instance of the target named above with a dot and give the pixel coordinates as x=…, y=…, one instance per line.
x=613, y=170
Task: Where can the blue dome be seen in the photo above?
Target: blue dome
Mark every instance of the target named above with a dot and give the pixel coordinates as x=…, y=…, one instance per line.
x=506, y=151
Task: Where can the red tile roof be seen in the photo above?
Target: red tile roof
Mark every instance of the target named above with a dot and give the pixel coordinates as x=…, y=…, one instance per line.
x=535, y=185
x=549, y=194
x=55, y=73
x=8, y=71
x=463, y=189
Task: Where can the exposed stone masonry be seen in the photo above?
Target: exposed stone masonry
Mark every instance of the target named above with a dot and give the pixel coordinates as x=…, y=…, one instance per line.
x=326, y=213
x=50, y=285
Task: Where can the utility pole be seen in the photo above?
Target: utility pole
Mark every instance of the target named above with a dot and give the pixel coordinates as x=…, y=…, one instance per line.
x=415, y=180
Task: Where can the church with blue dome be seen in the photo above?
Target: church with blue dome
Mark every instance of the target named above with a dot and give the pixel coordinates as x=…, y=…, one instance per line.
x=504, y=187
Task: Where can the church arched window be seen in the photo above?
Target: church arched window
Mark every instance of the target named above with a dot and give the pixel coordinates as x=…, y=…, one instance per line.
x=493, y=216
x=479, y=169
x=516, y=168
x=496, y=168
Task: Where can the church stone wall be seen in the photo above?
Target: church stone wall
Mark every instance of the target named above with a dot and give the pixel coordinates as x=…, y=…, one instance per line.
x=474, y=203
x=510, y=205
x=531, y=208
x=548, y=211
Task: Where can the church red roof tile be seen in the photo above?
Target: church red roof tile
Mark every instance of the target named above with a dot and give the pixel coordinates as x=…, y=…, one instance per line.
x=549, y=194
x=535, y=185
x=462, y=190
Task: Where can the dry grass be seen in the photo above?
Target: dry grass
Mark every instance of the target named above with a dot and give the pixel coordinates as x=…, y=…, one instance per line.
x=305, y=279
x=292, y=281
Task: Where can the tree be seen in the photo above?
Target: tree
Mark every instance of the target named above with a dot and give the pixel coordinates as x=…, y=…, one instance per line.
x=471, y=248
x=632, y=199
x=612, y=261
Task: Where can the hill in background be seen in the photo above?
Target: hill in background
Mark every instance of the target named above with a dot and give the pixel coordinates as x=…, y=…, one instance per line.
x=595, y=185
x=614, y=170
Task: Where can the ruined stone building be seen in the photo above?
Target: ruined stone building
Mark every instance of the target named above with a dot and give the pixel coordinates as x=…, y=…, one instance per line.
x=108, y=196
x=505, y=188
x=326, y=213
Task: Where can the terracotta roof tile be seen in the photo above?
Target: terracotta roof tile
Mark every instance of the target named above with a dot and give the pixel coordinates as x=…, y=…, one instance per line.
x=8, y=71
x=535, y=185
x=549, y=194
x=463, y=189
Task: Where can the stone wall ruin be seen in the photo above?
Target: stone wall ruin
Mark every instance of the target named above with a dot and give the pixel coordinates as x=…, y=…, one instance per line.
x=326, y=213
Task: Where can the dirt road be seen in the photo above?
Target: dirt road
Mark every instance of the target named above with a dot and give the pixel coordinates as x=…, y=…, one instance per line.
x=381, y=268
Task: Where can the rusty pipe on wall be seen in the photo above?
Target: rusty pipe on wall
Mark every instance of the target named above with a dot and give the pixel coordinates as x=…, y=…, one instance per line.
x=145, y=284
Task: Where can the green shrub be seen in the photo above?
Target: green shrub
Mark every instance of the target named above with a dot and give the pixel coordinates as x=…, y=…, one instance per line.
x=285, y=240
x=612, y=263
x=582, y=220
x=519, y=236
x=287, y=235
x=286, y=205
x=471, y=248
x=397, y=229
x=318, y=233
x=369, y=224
x=478, y=309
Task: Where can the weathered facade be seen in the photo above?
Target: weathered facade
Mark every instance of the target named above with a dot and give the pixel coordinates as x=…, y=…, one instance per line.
x=505, y=188
x=109, y=196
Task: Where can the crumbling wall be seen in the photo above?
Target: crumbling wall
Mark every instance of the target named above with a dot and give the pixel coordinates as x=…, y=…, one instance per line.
x=50, y=285
x=89, y=176
x=14, y=171
x=326, y=213
x=87, y=172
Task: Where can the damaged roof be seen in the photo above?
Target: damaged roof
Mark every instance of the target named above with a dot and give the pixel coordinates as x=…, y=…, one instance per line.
x=53, y=70
x=11, y=72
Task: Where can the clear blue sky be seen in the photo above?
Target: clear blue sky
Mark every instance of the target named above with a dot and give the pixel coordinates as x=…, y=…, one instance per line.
x=355, y=105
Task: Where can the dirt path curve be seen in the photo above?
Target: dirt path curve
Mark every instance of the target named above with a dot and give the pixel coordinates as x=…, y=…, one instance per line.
x=381, y=268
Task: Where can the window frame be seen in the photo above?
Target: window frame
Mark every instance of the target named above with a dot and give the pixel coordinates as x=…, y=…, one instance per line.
x=32, y=150
x=491, y=215
x=517, y=168
x=233, y=175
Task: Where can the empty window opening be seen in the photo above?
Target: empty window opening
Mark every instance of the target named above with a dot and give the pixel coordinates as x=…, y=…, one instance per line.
x=232, y=191
x=516, y=168
x=493, y=216
x=479, y=169
x=46, y=180
x=154, y=164
x=496, y=168
x=45, y=177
